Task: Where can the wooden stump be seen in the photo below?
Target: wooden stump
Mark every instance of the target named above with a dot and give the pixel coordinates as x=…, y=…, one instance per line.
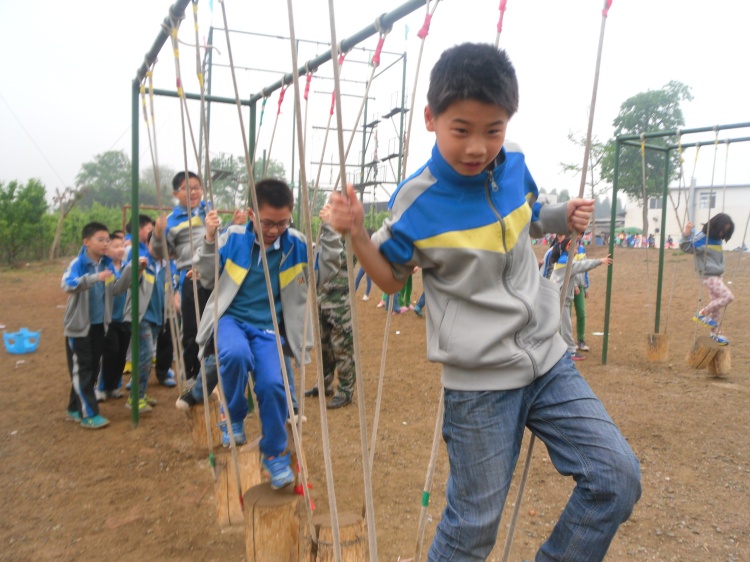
x=272, y=524
x=197, y=422
x=657, y=350
x=703, y=351
x=352, y=536
x=228, y=508
x=721, y=364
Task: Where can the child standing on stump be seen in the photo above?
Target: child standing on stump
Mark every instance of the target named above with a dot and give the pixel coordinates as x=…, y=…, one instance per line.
x=465, y=217
x=245, y=340
x=87, y=315
x=709, y=265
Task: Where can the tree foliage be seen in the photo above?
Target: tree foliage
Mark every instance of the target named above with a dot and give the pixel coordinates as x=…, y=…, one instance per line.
x=650, y=111
x=107, y=180
x=229, y=182
x=22, y=208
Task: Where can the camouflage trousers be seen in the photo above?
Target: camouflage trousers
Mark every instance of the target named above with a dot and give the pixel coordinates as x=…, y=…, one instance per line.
x=337, y=344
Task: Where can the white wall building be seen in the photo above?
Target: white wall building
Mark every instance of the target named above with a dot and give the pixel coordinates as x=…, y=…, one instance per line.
x=697, y=203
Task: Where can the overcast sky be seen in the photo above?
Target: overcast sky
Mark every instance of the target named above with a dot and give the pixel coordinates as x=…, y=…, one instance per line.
x=68, y=67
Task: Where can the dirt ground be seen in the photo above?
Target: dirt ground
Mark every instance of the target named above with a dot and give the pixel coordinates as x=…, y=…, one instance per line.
x=145, y=493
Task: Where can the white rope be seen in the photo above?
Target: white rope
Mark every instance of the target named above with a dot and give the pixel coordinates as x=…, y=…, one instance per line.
x=369, y=502
x=430, y=475
x=269, y=288
x=573, y=249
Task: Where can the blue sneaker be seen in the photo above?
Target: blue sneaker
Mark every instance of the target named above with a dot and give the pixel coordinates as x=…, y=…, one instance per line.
x=238, y=428
x=169, y=381
x=721, y=340
x=705, y=320
x=418, y=311
x=278, y=468
x=72, y=416
x=94, y=422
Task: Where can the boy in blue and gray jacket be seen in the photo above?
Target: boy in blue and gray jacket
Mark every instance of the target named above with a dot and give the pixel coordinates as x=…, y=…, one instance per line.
x=245, y=341
x=151, y=294
x=87, y=316
x=465, y=218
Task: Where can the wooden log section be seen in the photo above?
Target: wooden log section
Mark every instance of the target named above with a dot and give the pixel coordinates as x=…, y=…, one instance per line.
x=657, y=349
x=197, y=423
x=702, y=352
x=352, y=535
x=272, y=524
x=721, y=364
x=228, y=508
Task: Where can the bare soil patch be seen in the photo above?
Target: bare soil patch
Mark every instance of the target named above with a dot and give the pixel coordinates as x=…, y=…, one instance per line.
x=145, y=493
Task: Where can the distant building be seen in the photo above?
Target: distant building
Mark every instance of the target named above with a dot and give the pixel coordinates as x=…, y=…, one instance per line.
x=696, y=204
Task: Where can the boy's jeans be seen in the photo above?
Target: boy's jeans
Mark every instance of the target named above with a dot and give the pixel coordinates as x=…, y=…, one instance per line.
x=148, y=334
x=483, y=432
x=212, y=379
x=244, y=348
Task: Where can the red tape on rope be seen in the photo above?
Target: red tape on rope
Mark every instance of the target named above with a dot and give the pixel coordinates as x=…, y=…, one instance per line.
x=605, y=11
x=378, y=50
x=333, y=95
x=307, y=85
x=422, y=33
x=503, y=3
x=282, y=93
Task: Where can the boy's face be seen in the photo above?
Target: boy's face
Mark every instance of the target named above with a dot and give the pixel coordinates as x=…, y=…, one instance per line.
x=469, y=134
x=97, y=245
x=145, y=231
x=194, y=190
x=116, y=249
x=273, y=222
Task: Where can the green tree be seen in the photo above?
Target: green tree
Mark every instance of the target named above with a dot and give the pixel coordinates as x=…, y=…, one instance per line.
x=229, y=178
x=650, y=111
x=106, y=179
x=593, y=172
x=21, y=210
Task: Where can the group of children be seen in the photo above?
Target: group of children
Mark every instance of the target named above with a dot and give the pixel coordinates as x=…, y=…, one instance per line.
x=465, y=218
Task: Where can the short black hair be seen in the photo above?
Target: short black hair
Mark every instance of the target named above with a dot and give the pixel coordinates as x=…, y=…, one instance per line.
x=716, y=227
x=92, y=228
x=473, y=71
x=179, y=177
x=274, y=193
x=117, y=234
x=144, y=220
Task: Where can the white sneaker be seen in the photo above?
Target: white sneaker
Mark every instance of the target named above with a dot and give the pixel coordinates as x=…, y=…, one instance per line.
x=365, y=298
x=101, y=396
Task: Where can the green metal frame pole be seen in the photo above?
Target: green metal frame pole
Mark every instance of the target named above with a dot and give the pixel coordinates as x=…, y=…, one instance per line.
x=135, y=332
x=610, y=270
x=662, y=240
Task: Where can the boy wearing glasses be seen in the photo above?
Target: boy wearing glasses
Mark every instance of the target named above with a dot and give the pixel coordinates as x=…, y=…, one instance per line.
x=245, y=341
x=466, y=217
x=87, y=315
x=189, y=214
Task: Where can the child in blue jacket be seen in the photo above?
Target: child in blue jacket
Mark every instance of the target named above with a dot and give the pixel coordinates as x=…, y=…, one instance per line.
x=87, y=316
x=466, y=218
x=245, y=341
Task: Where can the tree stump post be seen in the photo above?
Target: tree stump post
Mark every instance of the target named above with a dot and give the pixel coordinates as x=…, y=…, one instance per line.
x=721, y=364
x=228, y=508
x=657, y=350
x=702, y=352
x=197, y=423
x=272, y=524
x=352, y=535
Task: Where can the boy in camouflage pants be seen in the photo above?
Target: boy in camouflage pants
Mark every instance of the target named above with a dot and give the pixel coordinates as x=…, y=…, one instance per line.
x=336, y=339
